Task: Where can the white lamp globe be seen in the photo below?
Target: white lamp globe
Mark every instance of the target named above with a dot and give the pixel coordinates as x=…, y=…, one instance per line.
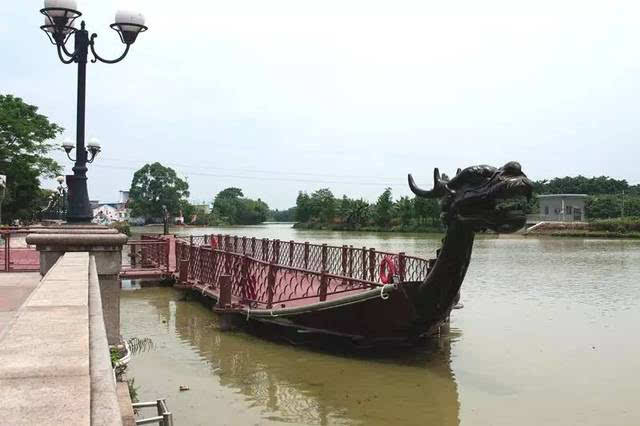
x=64, y=4
x=60, y=179
x=68, y=145
x=50, y=26
x=124, y=17
x=94, y=144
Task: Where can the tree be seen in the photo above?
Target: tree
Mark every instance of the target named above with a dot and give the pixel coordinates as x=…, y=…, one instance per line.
x=303, y=207
x=323, y=205
x=233, y=208
x=404, y=207
x=25, y=139
x=384, y=208
x=153, y=186
x=427, y=208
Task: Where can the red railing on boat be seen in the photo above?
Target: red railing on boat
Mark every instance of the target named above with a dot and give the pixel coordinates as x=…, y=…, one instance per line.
x=266, y=273
x=347, y=261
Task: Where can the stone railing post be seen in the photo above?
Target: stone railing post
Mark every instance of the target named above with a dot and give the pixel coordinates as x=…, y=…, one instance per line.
x=105, y=244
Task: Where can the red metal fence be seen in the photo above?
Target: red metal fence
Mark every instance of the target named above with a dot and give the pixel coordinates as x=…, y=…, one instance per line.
x=347, y=261
x=149, y=252
x=15, y=254
x=267, y=272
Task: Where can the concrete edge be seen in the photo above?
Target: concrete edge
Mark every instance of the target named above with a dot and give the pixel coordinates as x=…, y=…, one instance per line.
x=105, y=408
x=66, y=239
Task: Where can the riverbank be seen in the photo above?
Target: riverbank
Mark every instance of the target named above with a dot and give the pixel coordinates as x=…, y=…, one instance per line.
x=604, y=228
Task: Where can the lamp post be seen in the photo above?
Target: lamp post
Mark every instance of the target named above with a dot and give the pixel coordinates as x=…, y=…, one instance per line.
x=59, y=16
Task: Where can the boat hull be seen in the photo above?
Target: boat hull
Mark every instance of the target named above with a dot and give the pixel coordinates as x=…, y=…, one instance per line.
x=371, y=318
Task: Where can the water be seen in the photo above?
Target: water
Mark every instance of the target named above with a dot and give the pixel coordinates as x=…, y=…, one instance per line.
x=548, y=336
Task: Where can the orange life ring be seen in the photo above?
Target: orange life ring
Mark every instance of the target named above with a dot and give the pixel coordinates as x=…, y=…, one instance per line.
x=388, y=269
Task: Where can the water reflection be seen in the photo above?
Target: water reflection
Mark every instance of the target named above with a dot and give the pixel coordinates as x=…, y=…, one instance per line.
x=294, y=385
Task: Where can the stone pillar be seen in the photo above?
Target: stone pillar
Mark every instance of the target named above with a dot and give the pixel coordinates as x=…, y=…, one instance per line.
x=105, y=244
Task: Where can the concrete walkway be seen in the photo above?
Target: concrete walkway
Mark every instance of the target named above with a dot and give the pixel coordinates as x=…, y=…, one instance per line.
x=54, y=356
x=15, y=288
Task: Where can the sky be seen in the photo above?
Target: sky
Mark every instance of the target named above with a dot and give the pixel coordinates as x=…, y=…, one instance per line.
x=276, y=96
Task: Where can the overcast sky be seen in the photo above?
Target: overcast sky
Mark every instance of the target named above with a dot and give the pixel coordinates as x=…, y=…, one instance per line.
x=280, y=96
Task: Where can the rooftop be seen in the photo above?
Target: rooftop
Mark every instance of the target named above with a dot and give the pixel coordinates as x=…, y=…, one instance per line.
x=563, y=196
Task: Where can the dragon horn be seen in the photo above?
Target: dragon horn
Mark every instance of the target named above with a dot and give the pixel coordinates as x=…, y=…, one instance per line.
x=438, y=187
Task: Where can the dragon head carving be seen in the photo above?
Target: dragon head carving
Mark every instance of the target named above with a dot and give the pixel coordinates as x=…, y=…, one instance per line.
x=482, y=197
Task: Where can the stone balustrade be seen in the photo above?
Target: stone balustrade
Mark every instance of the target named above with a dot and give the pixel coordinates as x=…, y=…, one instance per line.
x=55, y=367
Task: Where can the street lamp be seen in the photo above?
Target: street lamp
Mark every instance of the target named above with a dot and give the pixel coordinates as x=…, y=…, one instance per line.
x=59, y=17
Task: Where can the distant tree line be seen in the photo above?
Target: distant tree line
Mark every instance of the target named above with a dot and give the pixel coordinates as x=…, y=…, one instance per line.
x=321, y=209
x=156, y=187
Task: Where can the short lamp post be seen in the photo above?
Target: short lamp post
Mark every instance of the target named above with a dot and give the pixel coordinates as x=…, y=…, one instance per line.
x=59, y=16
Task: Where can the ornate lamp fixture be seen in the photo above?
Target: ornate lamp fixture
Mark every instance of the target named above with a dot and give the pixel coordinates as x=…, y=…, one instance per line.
x=59, y=17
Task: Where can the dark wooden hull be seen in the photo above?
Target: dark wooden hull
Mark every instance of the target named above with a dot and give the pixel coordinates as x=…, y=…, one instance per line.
x=370, y=318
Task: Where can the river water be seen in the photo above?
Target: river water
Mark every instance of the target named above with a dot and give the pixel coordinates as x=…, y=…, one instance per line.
x=548, y=335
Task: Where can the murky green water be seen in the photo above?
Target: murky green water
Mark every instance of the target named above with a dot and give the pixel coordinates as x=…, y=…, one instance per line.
x=548, y=336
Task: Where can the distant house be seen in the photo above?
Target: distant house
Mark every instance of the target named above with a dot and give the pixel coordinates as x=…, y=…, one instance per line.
x=106, y=213
x=562, y=207
x=203, y=208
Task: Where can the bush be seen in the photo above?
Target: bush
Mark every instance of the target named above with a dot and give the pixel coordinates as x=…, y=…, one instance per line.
x=618, y=225
x=122, y=227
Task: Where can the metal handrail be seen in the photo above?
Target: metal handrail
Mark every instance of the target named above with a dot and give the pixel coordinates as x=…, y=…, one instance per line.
x=164, y=417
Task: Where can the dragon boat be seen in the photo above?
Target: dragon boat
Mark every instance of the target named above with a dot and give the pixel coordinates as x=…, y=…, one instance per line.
x=312, y=293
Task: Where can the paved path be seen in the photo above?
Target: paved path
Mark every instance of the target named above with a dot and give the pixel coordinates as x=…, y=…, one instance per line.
x=15, y=288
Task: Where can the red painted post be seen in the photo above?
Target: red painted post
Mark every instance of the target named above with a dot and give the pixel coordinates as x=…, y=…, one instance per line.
x=402, y=266
x=323, y=265
x=206, y=239
x=201, y=262
x=276, y=251
x=132, y=255
x=7, y=255
x=344, y=261
x=364, y=263
x=253, y=246
x=372, y=264
x=244, y=245
x=323, y=286
x=167, y=250
x=244, y=276
x=271, y=284
x=350, y=261
x=225, y=291
x=306, y=255
x=227, y=263
x=220, y=242
x=184, y=271
x=191, y=240
x=265, y=249
x=291, y=248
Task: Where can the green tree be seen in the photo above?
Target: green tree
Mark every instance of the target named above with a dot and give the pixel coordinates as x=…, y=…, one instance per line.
x=384, y=208
x=359, y=214
x=426, y=208
x=323, y=205
x=406, y=213
x=153, y=186
x=25, y=144
x=232, y=208
x=303, y=207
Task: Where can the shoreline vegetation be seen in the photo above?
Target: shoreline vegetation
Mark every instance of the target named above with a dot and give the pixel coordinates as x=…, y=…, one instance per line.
x=625, y=227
